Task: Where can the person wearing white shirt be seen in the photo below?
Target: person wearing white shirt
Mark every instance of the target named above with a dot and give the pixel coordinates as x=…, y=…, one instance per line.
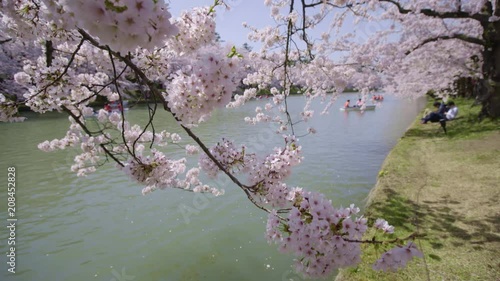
x=452, y=111
x=442, y=113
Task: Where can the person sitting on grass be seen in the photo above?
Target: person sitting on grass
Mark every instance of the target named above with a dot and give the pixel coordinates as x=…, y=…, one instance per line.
x=452, y=111
x=442, y=113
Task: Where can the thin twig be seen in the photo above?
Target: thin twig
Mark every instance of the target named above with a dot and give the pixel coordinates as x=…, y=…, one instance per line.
x=86, y=130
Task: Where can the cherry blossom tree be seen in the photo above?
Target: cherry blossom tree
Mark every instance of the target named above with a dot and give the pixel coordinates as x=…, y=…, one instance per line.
x=12, y=55
x=94, y=49
x=439, y=42
x=415, y=46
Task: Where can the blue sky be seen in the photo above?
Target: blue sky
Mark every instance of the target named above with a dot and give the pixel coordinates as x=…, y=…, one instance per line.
x=254, y=12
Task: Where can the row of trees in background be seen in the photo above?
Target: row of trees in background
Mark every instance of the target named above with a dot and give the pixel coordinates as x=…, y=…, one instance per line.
x=63, y=55
x=441, y=43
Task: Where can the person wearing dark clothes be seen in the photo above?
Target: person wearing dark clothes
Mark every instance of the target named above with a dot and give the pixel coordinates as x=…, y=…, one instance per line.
x=443, y=113
x=437, y=115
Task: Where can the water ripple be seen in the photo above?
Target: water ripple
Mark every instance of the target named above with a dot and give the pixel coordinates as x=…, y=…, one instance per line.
x=81, y=229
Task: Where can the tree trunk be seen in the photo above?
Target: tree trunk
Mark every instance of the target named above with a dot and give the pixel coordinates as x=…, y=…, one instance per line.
x=491, y=106
x=489, y=92
x=49, y=50
x=464, y=87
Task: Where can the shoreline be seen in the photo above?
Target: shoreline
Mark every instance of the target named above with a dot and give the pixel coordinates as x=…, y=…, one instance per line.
x=446, y=187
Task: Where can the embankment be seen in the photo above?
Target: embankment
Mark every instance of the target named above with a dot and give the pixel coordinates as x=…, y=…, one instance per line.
x=446, y=187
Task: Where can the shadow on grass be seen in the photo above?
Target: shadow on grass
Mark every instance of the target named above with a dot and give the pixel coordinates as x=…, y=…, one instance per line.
x=437, y=216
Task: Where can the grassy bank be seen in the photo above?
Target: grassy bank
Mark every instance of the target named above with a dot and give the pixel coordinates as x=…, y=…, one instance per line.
x=446, y=187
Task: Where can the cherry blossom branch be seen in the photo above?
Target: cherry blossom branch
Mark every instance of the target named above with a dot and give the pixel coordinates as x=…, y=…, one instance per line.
x=132, y=153
x=137, y=71
x=86, y=130
x=102, y=87
x=223, y=169
x=285, y=66
x=304, y=28
x=325, y=3
x=153, y=89
x=151, y=112
x=126, y=60
x=443, y=15
x=5, y=41
x=398, y=5
x=462, y=37
x=65, y=70
x=49, y=50
x=454, y=15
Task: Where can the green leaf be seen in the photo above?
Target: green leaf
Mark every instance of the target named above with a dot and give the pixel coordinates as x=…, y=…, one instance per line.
x=212, y=8
x=112, y=7
x=234, y=53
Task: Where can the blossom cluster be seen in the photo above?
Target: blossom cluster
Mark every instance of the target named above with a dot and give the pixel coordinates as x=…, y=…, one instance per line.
x=13, y=53
x=316, y=234
x=92, y=151
x=324, y=238
x=196, y=29
x=8, y=111
x=123, y=25
x=321, y=237
x=268, y=176
x=384, y=226
x=156, y=171
x=207, y=83
x=48, y=89
x=228, y=155
x=397, y=257
x=192, y=182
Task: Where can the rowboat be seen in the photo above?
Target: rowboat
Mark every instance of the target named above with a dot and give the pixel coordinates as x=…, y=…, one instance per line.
x=355, y=108
x=116, y=106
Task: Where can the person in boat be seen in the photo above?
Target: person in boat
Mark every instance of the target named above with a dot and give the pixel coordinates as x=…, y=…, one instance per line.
x=359, y=103
x=347, y=104
x=113, y=106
